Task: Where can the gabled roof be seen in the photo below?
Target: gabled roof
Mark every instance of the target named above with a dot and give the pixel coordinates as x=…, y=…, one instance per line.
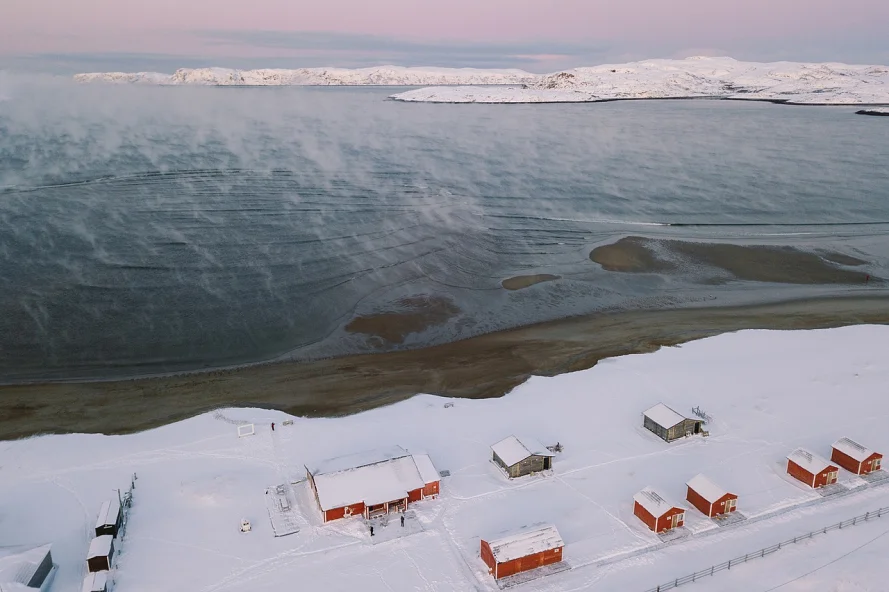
x=853, y=449
x=664, y=416
x=17, y=568
x=95, y=581
x=108, y=513
x=525, y=541
x=511, y=450
x=653, y=502
x=358, y=459
x=100, y=546
x=706, y=488
x=427, y=470
x=809, y=460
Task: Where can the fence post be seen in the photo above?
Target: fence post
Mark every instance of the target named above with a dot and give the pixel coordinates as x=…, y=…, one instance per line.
x=763, y=552
x=711, y=569
x=854, y=520
x=745, y=557
x=729, y=563
x=779, y=545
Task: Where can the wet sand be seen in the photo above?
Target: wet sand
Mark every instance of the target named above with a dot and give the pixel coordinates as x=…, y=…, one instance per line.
x=485, y=366
x=756, y=263
x=415, y=315
x=525, y=281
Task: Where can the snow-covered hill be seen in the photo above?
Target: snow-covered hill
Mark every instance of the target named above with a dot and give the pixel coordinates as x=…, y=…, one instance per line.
x=700, y=77
x=380, y=76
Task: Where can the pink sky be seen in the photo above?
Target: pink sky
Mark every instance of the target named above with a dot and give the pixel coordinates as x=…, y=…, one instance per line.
x=168, y=26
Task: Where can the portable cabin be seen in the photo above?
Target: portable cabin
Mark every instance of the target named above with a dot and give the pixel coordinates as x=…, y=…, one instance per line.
x=810, y=468
x=854, y=457
x=670, y=425
x=656, y=512
x=521, y=457
x=101, y=553
x=522, y=550
x=110, y=518
x=96, y=581
x=708, y=497
x=23, y=569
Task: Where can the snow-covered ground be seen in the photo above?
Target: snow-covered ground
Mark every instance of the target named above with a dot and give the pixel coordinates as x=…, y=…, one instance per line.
x=767, y=392
x=378, y=75
x=700, y=77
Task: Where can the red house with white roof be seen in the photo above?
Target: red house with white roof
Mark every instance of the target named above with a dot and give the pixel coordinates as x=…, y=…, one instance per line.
x=810, y=468
x=710, y=498
x=854, y=457
x=372, y=483
x=656, y=512
x=521, y=550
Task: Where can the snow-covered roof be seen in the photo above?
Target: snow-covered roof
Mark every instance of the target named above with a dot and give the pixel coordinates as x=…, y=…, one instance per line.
x=427, y=470
x=809, y=460
x=511, y=450
x=358, y=459
x=95, y=582
x=706, y=488
x=653, y=502
x=664, y=416
x=18, y=567
x=526, y=541
x=381, y=481
x=853, y=449
x=108, y=513
x=100, y=546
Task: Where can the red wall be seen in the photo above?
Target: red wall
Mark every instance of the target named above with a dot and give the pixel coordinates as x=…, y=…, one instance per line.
x=796, y=471
x=415, y=495
x=337, y=513
x=644, y=516
x=488, y=556
x=431, y=489
x=660, y=524
x=852, y=465
x=703, y=505
x=534, y=561
x=665, y=522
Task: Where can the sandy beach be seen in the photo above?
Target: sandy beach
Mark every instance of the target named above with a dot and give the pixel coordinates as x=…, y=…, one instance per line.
x=485, y=366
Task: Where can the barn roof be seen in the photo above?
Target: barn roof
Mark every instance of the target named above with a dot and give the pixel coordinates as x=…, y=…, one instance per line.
x=108, y=513
x=653, y=502
x=853, y=449
x=809, y=460
x=358, y=459
x=17, y=568
x=374, y=483
x=706, y=488
x=100, y=546
x=525, y=541
x=664, y=416
x=96, y=581
x=511, y=450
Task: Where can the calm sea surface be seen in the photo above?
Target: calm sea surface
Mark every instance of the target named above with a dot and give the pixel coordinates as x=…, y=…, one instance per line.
x=147, y=229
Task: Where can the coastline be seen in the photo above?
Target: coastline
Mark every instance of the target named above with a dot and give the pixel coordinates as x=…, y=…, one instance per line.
x=485, y=366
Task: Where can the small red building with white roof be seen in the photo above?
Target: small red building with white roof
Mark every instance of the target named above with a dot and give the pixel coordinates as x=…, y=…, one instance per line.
x=710, y=498
x=527, y=548
x=810, y=468
x=373, y=482
x=656, y=512
x=854, y=457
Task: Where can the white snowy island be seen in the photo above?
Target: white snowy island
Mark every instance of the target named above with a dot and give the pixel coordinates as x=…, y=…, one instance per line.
x=697, y=77
x=765, y=393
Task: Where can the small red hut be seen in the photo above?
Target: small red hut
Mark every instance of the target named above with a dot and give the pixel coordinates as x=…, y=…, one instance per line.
x=522, y=550
x=854, y=457
x=656, y=512
x=810, y=468
x=710, y=498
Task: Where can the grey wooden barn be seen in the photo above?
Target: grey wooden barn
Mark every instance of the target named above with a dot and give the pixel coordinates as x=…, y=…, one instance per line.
x=670, y=425
x=26, y=569
x=521, y=457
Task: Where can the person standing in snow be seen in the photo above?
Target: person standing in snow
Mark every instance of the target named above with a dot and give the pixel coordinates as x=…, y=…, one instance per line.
x=273, y=426
x=402, y=521
x=371, y=531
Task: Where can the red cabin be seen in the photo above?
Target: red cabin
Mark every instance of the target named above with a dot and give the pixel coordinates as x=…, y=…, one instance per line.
x=656, y=512
x=709, y=498
x=810, y=468
x=522, y=550
x=854, y=457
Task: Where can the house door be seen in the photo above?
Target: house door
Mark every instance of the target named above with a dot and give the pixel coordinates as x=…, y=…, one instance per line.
x=876, y=465
x=831, y=477
x=729, y=504
x=677, y=519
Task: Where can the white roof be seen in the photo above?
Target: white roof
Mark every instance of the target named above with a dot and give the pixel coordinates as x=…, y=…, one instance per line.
x=653, y=502
x=20, y=566
x=511, y=450
x=95, y=581
x=664, y=416
x=381, y=481
x=809, y=460
x=853, y=449
x=706, y=488
x=100, y=546
x=526, y=541
x=358, y=459
x=108, y=513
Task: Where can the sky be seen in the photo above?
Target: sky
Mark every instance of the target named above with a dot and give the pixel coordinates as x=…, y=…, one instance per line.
x=537, y=35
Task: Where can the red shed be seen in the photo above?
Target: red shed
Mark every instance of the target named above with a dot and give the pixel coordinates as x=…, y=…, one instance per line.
x=372, y=483
x=656, y=512
x=710, y=498
x=854, y=457
x=527, y=548
x=810, y=468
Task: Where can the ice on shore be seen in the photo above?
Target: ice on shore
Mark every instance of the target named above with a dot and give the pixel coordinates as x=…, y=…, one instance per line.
x=767, y=393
